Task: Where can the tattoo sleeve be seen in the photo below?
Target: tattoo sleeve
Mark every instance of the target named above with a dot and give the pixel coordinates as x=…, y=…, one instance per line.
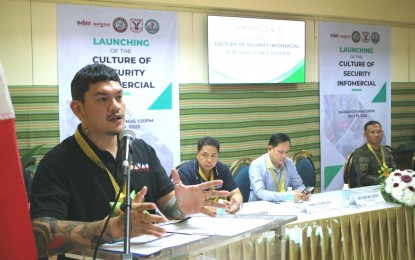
x=173, y=211
x=55, y=237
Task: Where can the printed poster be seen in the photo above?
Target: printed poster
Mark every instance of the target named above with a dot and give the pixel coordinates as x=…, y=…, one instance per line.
x=142, y=45
x=355, y=87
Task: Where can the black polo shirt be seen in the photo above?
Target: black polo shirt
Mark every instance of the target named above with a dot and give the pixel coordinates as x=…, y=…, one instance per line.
x=189, y=175
x=69, y=186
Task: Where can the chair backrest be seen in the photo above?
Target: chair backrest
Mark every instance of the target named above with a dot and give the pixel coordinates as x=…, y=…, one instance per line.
x=179, y=165
x=349, y=175
x=177, y=168
x=305, y=167
x=240, y=173
x=413, y=162
x=239, y=163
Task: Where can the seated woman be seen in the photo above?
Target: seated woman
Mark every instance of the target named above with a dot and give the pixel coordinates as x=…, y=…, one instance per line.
x=206, y=167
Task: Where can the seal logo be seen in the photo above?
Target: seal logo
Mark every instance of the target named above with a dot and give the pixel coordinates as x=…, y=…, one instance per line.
x=366, y=37
x=375, y=37
x=152, y=26
x=136, y=25
x=120, y=24
x=356, y=36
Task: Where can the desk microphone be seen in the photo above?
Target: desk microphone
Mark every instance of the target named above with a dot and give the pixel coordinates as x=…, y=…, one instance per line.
x=125, y=137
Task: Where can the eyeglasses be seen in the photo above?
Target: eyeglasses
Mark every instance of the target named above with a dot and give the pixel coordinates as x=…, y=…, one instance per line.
x=206, y=156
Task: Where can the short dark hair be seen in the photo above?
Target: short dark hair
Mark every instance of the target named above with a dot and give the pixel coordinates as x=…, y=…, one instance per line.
x=91, y=74
x=372, y=122
x=278, y=138
x=207, y=140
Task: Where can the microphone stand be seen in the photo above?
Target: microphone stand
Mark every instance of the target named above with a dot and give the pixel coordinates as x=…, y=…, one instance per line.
x=127, y=204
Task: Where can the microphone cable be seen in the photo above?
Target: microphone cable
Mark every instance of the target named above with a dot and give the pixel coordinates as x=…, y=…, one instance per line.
x=106, y=222
x=124, y=133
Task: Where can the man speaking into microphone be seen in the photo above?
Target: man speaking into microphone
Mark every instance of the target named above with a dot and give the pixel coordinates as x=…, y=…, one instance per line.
x=77, y=181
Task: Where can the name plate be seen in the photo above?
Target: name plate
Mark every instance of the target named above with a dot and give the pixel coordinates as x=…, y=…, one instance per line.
x=369, y=199
x=321, y=205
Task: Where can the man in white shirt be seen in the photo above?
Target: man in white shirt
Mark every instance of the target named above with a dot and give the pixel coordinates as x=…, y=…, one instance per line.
x=273, y=172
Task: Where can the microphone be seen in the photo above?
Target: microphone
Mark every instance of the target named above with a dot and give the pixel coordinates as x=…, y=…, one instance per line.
x=125, y=137
x=126, y=133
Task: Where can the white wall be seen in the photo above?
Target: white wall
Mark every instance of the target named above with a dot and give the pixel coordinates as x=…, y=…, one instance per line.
x=28, y=43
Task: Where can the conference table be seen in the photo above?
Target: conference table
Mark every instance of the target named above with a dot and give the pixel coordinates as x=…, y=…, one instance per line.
x=256, y=237
x=384, y=231
x=294, y=231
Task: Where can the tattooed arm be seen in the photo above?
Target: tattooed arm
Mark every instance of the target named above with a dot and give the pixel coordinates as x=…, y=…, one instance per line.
x=54, y=237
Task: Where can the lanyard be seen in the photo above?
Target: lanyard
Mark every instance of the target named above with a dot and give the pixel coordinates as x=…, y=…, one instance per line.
x=383, y=164
x=94, y=157
x=202, y=175
x=280, y=186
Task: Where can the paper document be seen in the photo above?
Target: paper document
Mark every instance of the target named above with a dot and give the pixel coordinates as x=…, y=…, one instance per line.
x=185, y=231
x=261, y=207
x=223, y=226
x=147, y=245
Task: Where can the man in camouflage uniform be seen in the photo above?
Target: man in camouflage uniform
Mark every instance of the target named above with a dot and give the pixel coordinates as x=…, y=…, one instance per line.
x=371, y=157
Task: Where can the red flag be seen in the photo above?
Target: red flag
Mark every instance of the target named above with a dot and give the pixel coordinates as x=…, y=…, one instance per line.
x=16, y=229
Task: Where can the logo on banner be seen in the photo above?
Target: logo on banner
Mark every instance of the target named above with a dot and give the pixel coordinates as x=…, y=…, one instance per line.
x=356, y=36
x=339, y=36
x=366, y=37
x=375, y=37
x=136, y=25
x=83, y=23
x=101, y=24
x=95, y=24
x=152, y=26
x=120, y=24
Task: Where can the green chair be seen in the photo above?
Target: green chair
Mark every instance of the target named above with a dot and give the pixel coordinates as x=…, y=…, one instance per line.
x=305, y=167
x=240, y=173
x=349, y=175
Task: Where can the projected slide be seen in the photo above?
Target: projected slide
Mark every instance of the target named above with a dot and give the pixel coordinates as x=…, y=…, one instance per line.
x=252, y=50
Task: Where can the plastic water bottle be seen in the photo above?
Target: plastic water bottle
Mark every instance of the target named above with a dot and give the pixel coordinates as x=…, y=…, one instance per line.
x=289, y=196
x=346, y=195
x=220, y=211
